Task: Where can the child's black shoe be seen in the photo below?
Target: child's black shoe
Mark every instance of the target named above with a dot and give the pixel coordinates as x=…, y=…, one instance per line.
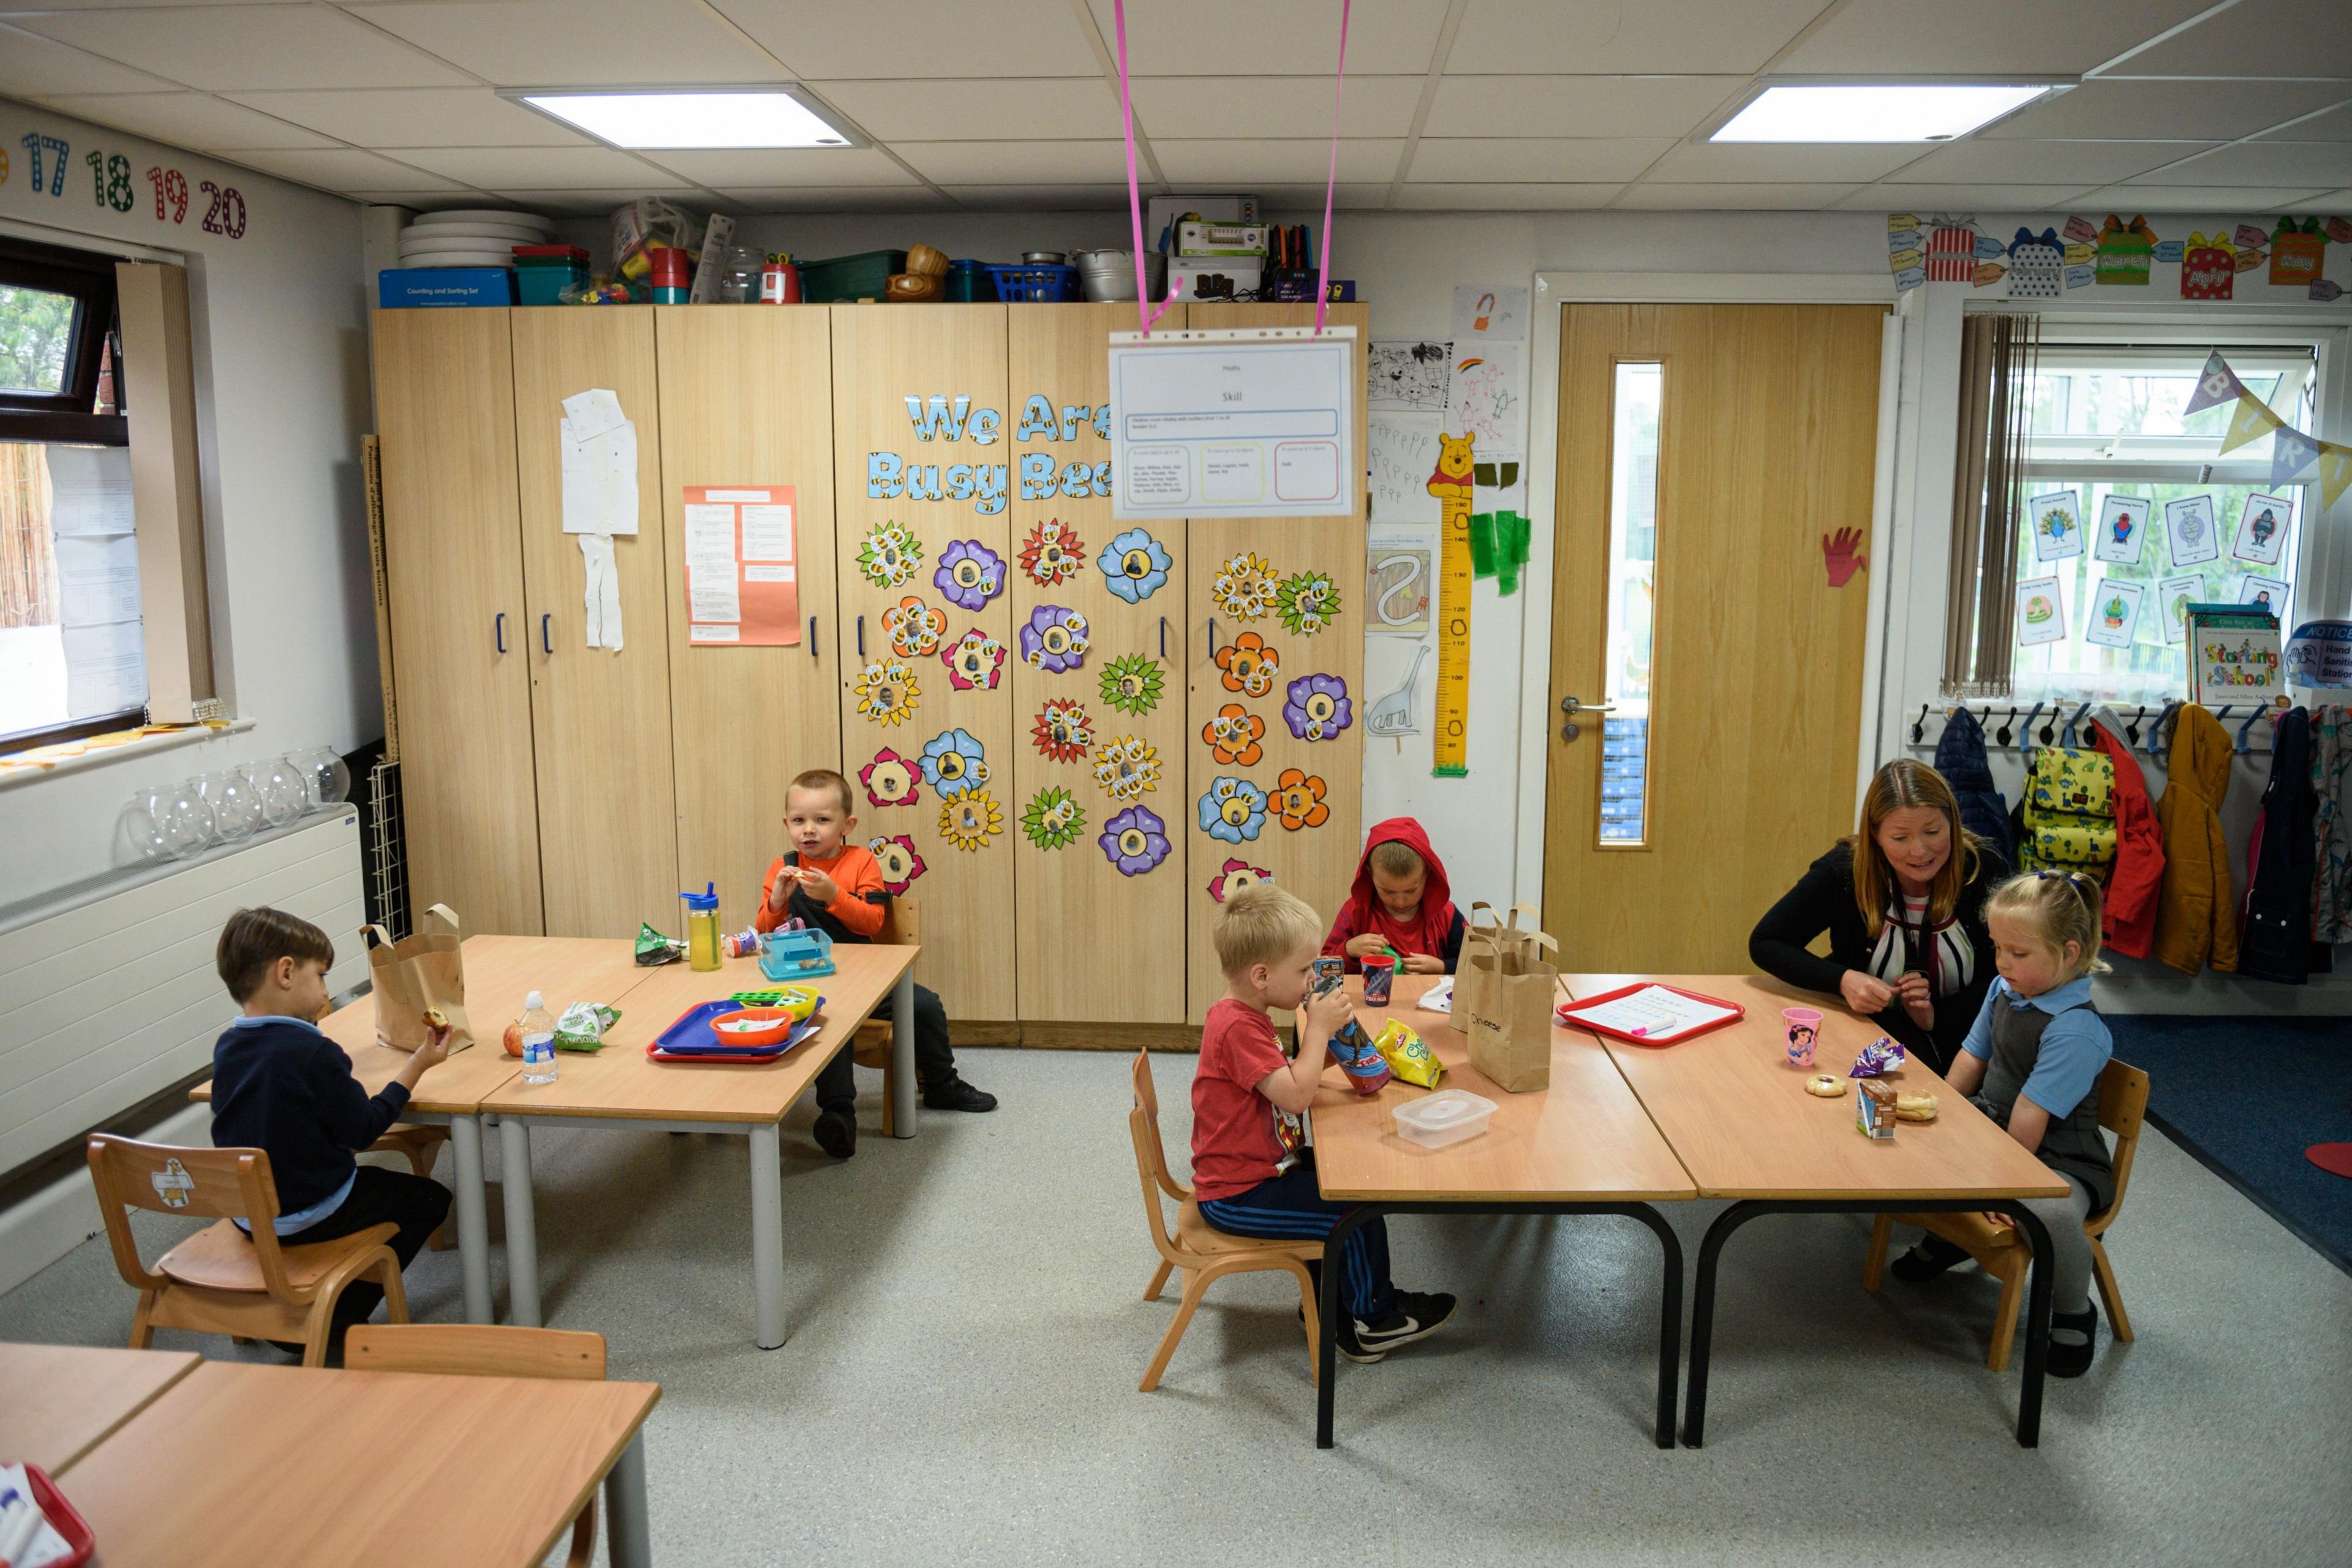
x=836, y=1134
x=956, y=1095
x=2074, y=1340
x=1926, y=1260
x=1411, y=1316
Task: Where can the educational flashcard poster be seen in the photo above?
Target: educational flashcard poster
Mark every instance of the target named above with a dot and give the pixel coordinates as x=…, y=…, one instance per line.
x=2123, y=528
x=1489, y=385
x=2176, y=594
x=1488, y=313
x=1400, y=577
x=2115, y=613
x=2264, y=593
x=2262, y=529
x=1249, y=423
x=742, y=583
x=2041, y=612
x=1403, y=455
x=2057, y=521
x=2190, y=522
x=1418, y=375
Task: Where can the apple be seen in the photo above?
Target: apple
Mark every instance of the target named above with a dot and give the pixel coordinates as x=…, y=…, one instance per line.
x=514, y=1039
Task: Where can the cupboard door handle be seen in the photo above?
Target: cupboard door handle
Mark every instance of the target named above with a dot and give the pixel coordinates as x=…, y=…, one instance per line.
x=500, y=630
x=1163, y=637
x=546, y=643
x=861, y=636
x=1213, y=636
x=812, y=636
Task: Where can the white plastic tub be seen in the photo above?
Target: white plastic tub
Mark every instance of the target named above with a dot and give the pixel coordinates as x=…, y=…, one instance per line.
x=1449, y=1116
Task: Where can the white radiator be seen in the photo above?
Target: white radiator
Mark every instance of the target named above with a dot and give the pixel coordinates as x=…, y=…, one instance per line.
x=107, y=994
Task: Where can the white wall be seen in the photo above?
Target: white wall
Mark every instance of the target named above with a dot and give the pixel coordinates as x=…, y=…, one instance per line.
x=279, y=328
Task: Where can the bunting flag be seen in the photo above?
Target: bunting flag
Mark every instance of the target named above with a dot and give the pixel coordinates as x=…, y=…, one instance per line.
x=2218, y=384
x=2291, y=453
x=2335, y=472
x=2249, y=421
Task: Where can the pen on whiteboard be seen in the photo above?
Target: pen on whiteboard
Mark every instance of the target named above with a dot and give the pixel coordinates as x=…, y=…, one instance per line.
x=1641, y=1032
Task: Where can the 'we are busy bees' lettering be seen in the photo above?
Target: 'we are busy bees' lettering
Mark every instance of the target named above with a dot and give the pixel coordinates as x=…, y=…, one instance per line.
x=896, y=476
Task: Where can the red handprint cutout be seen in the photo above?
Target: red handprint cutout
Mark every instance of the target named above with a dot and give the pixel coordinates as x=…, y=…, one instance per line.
x=1839, y=555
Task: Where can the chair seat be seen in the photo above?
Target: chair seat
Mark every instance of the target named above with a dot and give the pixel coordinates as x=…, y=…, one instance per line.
x=871, y=1046
x=1970, y=1230
x=221, y=1258
x=1196, y=1234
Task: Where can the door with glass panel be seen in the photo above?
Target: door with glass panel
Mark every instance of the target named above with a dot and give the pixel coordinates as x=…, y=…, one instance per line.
x=1710, y=595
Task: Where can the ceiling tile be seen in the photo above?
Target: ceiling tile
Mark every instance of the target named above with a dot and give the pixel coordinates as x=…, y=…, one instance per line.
x=2336, y=125
x=2313, y=164
x=764, y=167
x=586, y=201
x=1015, y=162
x=1247, y=164
x=996, y=109
x=1276, y=37
x=417, y=116
x=825, y=40
x=2107, y=111
x=193, y=119
x=530, y=168
x=1484, y=160
x=2017, y=36
x=1040, y=198
x=2255, y=39
x=1577, y=105
x=2090, y=162
x=1729, y=162
x=229, y=47
x=345, y=169
x=1606, y=37
x=1309, y=199
x=2232, y=199
x=577, y=43
x=1800, y=197
x=1930, y=199
x=837, y=199
x=1273, y=106
x=34, y=66
x=1504, y=197
x=424, y=201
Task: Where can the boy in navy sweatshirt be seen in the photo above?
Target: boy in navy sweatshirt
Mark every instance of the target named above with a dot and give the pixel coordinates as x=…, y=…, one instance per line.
x=281, y=1085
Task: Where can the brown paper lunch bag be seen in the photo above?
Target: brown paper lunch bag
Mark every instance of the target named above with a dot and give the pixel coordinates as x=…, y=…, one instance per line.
x=427, y=970
x=1483, y=938
x=1510, y=1032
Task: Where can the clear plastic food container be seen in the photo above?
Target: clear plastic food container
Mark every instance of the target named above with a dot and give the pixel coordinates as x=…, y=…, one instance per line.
x=1449, y=1116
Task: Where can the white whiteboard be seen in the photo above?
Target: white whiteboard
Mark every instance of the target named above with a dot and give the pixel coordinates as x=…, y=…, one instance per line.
x=1250, y=423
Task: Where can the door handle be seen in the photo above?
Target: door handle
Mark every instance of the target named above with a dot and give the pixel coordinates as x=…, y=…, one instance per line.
x=499, y=629
x=546, y=643
x=1571, y=705
x=812, y=636
x=861, y=636
x=1163, y=637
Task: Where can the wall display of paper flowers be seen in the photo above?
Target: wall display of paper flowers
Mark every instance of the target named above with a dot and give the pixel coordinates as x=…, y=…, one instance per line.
x=975, y=661
x=914, y=627
x=1249, y=664
x=1052, y=818
x=1063, y=732
x=1127, y=767
x=1055, y=640
x=1234, y=876
x=969, y=573
x=1133, y=683
x=888, y=693
x=969, y=821
x=1233, y=809
x=1317, y=708
x=1052, y=554
x=954, y=764
x=1298, y=800
x=890, y=555
x=1135, y=565
x=901, y=862
x=1233, y=736
x=1244, y=586
x=1134, y=841
x=891, y=779
x=1307, y=602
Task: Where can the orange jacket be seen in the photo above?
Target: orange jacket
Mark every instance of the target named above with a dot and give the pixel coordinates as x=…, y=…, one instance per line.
x=2197, y=913
x=856, y=913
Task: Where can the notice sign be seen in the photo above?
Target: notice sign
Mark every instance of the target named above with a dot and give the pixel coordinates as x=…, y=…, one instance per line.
x=741, y=574
x=1252, y=423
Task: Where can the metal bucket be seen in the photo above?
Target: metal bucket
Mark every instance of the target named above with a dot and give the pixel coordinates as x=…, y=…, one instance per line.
x=1110, y=275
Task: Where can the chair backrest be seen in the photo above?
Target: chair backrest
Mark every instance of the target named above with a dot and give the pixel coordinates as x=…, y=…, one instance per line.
x=1147, y=1101
x=902, y=922
x=202, y=1184
x=475, y=1350
x=1153, y=1173
x=2123, y=1107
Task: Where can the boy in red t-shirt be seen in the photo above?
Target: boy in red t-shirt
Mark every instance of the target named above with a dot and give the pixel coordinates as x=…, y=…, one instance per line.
x=836, y=887
x=1252, y=1172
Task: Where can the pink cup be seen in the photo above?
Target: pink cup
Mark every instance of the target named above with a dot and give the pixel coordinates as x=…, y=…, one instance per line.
x=1803, y=1026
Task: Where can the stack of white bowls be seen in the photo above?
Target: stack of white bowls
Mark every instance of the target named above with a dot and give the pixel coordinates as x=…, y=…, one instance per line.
x=474, y=237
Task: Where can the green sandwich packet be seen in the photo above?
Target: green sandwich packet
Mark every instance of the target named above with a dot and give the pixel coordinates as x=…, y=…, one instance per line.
x=653, y=948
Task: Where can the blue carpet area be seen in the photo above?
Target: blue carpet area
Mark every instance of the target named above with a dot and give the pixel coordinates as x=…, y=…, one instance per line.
x=2247, y=1096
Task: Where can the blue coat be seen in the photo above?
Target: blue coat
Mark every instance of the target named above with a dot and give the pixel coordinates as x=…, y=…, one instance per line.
x=1960, y=758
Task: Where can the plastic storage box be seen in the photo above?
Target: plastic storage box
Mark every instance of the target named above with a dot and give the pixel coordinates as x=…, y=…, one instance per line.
x=865, y=276
x=411, y=288
x=1448, y=1115
x=1035, y=285
x=796, y=954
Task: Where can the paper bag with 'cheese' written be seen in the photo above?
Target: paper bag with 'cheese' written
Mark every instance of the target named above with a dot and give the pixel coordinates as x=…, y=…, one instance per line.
x=421, y=972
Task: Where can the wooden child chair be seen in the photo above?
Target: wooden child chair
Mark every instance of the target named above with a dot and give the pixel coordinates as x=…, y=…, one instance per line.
x=420, y=1145
x=476, y=1349
x=2001, y=1252
x=902, y=921
x=1205, y=1253
x=220, y=1280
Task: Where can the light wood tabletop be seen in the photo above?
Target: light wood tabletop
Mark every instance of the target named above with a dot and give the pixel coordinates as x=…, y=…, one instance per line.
x=1739, y=1118
x=1585, y=1137
x=238, y=1464
x=61, y=1401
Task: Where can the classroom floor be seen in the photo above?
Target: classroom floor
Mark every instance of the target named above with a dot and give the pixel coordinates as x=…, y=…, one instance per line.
x=968, y=1330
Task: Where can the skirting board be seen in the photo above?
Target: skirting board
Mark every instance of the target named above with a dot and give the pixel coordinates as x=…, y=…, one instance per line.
x=1054, y=1036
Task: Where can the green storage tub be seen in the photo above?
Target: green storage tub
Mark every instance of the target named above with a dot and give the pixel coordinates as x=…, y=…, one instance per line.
x=850, y=278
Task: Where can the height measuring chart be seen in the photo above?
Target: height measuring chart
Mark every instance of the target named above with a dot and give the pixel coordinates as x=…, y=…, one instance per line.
x=743, y=585
x=1258, y=422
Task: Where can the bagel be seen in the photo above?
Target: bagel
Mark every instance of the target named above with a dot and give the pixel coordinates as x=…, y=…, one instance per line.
x=1827, y=1085
x=1914, y=1107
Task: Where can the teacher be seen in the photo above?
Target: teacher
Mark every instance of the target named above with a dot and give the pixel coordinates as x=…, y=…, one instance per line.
x=1902, y=902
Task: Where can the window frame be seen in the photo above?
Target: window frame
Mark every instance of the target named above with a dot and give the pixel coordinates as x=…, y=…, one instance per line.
x=67, y=415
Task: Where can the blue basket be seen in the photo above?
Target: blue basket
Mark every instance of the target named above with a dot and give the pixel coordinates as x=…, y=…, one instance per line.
x=796, y=954
x=1034, y=285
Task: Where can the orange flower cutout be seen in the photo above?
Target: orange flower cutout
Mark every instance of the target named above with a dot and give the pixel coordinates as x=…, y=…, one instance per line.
x=1249, y=664
x=1298, y=800
x=1233, y=735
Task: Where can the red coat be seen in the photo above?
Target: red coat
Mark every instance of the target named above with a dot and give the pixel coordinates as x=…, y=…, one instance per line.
x=2127, y=923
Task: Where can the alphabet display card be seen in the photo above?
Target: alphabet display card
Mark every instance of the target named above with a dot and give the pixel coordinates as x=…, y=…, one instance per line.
x=2115, y=613
x=2175, y=594
x=2189, y=521
x=2262, y=529
x=2041, y=612
x=2057, y=521
x=2123, y=528
x=2265, y=594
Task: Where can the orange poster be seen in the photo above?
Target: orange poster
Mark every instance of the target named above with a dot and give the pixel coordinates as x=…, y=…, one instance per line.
x=741, y=584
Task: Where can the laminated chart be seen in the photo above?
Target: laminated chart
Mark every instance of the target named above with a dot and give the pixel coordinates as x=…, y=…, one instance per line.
x=1258, y=422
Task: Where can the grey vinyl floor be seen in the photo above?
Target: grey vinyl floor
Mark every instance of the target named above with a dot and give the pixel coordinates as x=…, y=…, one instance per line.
x=967, y=1334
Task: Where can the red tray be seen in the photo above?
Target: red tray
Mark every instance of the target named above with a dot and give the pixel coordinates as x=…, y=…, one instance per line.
x=69, y=1524
x=1560, y=1015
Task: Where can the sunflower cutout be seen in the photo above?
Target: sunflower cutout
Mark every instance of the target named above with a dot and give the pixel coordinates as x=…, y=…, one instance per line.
x=900, y=861
x=891, y=779
x=954, y=764
x=1243, y=586
x=1318, y=708
x=1136, y=564
x=975, y=661
x=1133, y=683
x=1235, y=875
x=969, y=821
x=914, y=627
x=1064, y=733
x=1233, y=809
x=1055, y=640
x=889, y=556
x=1307, y=602
x=1249, y=664
x=1127, y=767
x=1298, y=800
x=1233, y=736
x=1052, y=818
x=969, y=573
x=1052, y=554
x=1134, y=841
x=886, y=692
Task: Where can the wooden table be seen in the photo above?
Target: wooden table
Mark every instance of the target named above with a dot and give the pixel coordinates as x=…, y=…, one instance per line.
x=1583, y=1146
x=620, y=1087
x=1739, y=1118
x=62, y=1401
x=238, y=1464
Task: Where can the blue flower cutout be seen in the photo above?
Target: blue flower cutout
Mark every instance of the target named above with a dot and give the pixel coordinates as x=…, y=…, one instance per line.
x=954, y=764
x=969, y=573
x=1136, y=563
x=1233, y=810
x=1134, y=841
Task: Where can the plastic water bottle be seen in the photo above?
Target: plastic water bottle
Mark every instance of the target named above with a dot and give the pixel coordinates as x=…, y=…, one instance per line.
x=537, y=1041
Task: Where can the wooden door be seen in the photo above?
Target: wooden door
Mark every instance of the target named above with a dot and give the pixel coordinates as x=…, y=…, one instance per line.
x=1100, y=923
x=924, y=387
x=1729, y=762
x=1248, y=695
x=453, y=570
x=608, y=839
x=746, y=399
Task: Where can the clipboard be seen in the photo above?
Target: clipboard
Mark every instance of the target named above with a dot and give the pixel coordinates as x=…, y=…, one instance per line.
x=1572, y=1014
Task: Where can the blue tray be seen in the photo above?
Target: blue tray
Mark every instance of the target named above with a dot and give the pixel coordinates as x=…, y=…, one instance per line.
x=692, y=1034
x=785, y=954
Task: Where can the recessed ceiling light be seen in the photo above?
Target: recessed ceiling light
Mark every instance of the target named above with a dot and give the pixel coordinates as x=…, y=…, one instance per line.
x=693, y=117
x=1890, y=111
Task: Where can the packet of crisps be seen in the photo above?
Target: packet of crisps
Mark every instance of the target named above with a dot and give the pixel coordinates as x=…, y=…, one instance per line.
x=1367, y=1072
x=1406, y=1056
x=653, y=948
x=1883, y=1055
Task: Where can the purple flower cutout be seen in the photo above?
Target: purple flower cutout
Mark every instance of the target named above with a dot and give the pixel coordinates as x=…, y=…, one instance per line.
x=1134, y=841
x=1055, y=640
x=1318, y=708
x=970, y=572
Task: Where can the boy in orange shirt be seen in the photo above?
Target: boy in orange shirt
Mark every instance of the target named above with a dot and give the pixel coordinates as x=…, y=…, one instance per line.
x=836, y=887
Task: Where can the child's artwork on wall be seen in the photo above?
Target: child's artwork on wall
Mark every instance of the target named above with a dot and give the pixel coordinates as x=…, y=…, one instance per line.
x=2190, y=522
x=2298, y=252
x=2056, y=518
x=2175, y=594
x=1410, y=375
x=1400, y=577
x=1488, y=388
x=2115, y=613
x=2037, y=266
x=2041, y=612
x=2209, y=267
x=2124, y=251
x=1403, y=453
x=2262, y=529
x=1392, y=714
x=1487, y=313
x=2123, y=528
x=2264, y=594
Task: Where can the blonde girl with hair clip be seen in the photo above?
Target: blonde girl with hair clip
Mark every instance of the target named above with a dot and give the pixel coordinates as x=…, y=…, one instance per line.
x=2033, y=1064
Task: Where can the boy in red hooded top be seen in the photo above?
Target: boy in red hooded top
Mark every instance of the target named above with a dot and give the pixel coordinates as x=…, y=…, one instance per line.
x=1400, y=902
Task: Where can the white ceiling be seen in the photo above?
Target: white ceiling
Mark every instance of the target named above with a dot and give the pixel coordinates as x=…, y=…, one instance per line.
x=1537, y=105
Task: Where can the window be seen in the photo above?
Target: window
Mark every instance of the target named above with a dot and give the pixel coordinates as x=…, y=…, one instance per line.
x=1632, y=593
